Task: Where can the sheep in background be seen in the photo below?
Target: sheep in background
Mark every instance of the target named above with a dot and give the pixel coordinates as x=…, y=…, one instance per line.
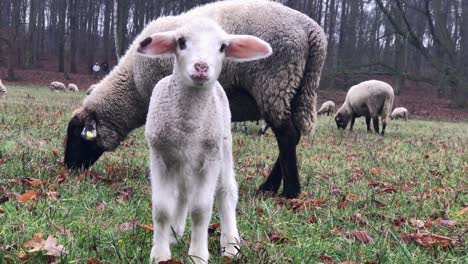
x=327, y=108
x=282, y=89
x=57, y=87
x=370, y=99
x=73, y=87
x=91, y=88
x=400, y=112
x=188, y=130
x=3, y=89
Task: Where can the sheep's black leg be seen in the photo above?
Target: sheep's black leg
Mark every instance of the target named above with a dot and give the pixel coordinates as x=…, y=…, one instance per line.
x=352, y=123
x=375, y=120
x=368, y=124
x=384, y=124
x=273, y=182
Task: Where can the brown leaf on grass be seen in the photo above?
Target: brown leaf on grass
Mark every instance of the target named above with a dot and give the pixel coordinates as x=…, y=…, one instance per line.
x=259, y=211
x=446, y=223
x=388, y=190
x=357, y=174
x=62, y=176
x=33, y=182
x=298, y=204
x=2, y=211
x=326, y=259
x=359, y=235
x=213, y=227
x=124, y=195
x=399, y=221
x=129, y=225
x=428, y=239
x=335, y=231
x=171, y=261
x=23, y=256
x=374, y=171
x=28, y=196
x=52, y=195
x=416, y=223
x=312, y=219
x=348, y=262
x=93, y=261
x=146, y=226
x=377, y=203
x=343, y=203
x=99, y=206
x=463, y=211
x=37, y=243
x=357, y=218
x=275, y=238
x=62, y=229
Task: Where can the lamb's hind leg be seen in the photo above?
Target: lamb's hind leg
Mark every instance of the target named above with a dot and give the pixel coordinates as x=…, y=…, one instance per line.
x=226, y=201
x=201, y=207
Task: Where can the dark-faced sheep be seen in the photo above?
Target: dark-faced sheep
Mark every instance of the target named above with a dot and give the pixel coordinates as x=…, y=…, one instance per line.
x=327, y=108
x=370, y=99
x=73, y=87
x=282, y=89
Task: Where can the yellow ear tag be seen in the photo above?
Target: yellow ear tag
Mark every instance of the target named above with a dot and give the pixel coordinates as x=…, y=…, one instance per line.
x=89, y=134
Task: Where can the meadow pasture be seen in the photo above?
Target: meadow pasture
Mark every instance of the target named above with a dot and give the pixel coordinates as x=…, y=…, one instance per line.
x=401, y=198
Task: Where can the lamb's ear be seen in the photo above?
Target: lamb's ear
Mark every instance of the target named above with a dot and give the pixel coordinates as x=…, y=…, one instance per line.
x=247, y=48
x=158, y=45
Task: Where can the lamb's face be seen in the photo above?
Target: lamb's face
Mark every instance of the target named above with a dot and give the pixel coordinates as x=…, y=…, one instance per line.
x=341, y=121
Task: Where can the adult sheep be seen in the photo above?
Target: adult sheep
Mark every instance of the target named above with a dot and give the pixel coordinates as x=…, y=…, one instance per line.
x=57, y=87
x=73, y=87
x=281, y=88
x=327, y=108
x=400, y=112
x=370, y=99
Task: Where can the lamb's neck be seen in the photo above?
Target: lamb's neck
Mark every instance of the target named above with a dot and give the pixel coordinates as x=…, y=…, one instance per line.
x=190, y=99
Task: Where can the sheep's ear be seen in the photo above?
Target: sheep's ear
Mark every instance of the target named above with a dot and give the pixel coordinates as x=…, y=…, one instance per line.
x=247, y=48
x=158, y=45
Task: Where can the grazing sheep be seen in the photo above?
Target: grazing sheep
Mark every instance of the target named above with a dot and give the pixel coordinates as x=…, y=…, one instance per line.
x=282, y=89
x=188, y=130
x=91, y=88
x=57, y=87
x=400, y=112
x=73, y=87
x=370, y=99
x=327, y=108
x=3, y=90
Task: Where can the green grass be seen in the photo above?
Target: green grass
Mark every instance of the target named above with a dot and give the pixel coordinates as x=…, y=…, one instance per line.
x=425, y=163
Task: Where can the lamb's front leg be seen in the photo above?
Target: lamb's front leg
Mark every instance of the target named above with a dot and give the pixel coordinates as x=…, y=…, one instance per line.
x=164, y=201
x=201, y=208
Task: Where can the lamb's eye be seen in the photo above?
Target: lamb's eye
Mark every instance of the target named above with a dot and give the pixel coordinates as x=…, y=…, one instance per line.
x=182, y=43
x=223, y=48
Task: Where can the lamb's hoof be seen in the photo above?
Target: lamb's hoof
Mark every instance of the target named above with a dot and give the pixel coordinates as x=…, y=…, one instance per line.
x=157, y=255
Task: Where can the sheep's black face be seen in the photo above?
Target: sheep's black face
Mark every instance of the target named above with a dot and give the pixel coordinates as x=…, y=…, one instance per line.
x=81, y=149
x=341, y=121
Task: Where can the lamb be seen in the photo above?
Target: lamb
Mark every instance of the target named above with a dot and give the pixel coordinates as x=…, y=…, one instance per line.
x=282, y=88
x=327, y=108
x=57, y=87
x=400, y=112
x=188, y=129
x=3, y=90
x=370, y=99
x=73, y=87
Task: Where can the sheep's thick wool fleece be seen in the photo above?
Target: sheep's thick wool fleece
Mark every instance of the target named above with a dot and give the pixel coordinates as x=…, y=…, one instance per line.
x=369, y=98
x=283, y=85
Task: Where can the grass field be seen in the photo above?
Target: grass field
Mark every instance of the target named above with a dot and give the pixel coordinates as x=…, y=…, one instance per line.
x=363, y=194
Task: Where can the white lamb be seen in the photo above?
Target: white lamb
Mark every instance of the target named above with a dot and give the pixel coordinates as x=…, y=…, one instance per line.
x=327, y=108
x=57, y=87
x=188, y=129
x=399, y=112
x=3, y=89
x=73, y=87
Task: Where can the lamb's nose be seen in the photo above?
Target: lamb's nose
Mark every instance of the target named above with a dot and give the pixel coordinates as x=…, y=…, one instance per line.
x=201, y=67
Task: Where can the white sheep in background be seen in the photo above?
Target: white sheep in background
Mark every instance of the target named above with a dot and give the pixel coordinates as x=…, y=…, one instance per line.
x=57, y=87
x=400, y=112
x=370, y=99
x=3, y=90
x=188, y=129
x=327, y=108
x=73, y=87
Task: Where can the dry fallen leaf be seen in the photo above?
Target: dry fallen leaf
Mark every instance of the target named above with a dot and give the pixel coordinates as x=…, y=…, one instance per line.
x=374, y=171
x=259, y=211
x=129, y=225
x=359, y=235
x=99, y=206
x=93, y=261
x=463, y=211
x=326, y=259
x=428, y=239
x=277, y=238
x=171, y=261
x=146, y=226
x=213, y=227
x=51, y=247
x=28, y=196
x=23, y=256
x=35, y=244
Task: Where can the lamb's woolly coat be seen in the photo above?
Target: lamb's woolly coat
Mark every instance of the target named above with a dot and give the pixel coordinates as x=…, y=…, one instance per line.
x=327, y=108
x=58, y=87
x=400, y=112
x=370, y=99
x=73, y=87
x=281, y=88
